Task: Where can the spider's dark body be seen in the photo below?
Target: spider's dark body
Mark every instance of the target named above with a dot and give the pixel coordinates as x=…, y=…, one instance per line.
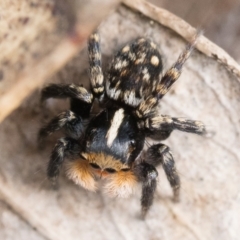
x=111, y=144
x=115, y=132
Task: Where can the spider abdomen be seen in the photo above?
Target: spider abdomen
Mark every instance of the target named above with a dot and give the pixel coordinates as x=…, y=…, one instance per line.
x=134, y=72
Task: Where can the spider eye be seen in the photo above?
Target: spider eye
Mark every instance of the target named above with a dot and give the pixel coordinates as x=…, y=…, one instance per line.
x=110, y=170
x=125, y=169
x=94, y=165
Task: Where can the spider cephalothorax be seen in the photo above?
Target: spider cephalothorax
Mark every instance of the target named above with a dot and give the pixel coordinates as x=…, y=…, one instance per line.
x=110, y=145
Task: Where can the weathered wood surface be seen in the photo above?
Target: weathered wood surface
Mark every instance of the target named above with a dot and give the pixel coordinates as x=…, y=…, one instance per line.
x=209, y=168
x=38, y=38
x=12, y=226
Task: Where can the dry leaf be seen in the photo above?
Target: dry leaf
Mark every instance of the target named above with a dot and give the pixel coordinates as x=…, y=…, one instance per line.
x=209, y=167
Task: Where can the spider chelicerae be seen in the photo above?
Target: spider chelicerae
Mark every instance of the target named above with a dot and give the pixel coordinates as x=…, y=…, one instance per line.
x=109, y=145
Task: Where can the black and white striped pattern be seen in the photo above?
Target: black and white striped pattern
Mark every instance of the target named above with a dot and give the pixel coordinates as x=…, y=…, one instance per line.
x=96, y=74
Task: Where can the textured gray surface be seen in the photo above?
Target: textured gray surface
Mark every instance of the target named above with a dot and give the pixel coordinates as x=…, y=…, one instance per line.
x=12, y=226
x=209, y=168
x=218, y=19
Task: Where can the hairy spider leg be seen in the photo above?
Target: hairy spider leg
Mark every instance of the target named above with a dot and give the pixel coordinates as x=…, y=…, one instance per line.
x=148, y=106
x=147, y=174
x=161, y=126
x=71, y=121
x=96, y=74
x=67, y=120
x=66, y=91
x=161, y=154
x=65, y=147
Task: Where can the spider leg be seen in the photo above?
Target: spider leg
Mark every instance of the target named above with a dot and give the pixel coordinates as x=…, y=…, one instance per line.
x=150, y=103
x=96, y=74
x=65, y=147
x=81, y=99
x=68, y=120
x=162, y=125
x=161, y=154
x=147, y=174
x=174, y=72
x=158, y=135
x=65, y=91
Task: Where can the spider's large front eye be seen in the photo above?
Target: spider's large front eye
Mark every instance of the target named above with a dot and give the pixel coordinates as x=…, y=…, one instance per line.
x=94, y=165
x=110, y=170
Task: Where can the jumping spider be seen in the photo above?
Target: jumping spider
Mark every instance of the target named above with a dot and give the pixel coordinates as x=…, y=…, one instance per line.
x=110, y=145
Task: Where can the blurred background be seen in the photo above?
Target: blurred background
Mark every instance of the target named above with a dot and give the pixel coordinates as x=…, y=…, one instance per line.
x=220, y=20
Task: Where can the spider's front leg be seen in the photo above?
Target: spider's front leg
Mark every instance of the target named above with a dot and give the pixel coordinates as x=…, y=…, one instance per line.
x=66, y=91
x=67, y=120
x=72, y=121
x=77, y=168
x=65, y=147
x=161, y=154
x=171, y=76
x=147, y=174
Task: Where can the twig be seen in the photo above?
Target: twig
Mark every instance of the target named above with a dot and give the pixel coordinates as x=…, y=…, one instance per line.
x=186, y=31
